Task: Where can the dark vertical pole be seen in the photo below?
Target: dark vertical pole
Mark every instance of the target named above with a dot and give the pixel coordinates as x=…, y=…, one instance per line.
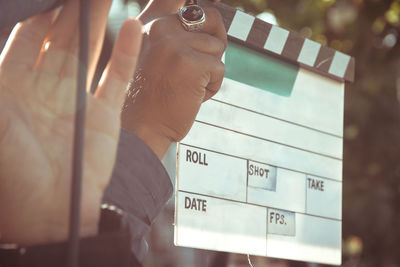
x=79, y=134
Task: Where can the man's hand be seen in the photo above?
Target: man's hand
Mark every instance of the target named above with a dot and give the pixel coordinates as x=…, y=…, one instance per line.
x=178, y=70
x=38, y=70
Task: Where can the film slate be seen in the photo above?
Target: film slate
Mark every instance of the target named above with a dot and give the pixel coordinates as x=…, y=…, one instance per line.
x=260, y=172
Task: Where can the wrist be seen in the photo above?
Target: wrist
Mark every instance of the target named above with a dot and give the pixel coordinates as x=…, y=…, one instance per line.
x=158, y=142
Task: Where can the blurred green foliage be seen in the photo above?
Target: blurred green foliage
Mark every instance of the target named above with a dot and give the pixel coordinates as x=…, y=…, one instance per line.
x=369, y=31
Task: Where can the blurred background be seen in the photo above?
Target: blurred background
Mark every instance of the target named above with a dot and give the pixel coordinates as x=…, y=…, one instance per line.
x=369, y=31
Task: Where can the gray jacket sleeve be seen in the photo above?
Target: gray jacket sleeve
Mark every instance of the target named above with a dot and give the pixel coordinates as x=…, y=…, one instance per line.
x=140, y=186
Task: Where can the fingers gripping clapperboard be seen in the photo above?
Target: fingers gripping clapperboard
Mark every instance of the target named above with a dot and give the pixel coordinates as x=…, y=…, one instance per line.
x=260, y=172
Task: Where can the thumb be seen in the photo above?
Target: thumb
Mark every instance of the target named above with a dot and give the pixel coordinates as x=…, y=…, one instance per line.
x=160, y=8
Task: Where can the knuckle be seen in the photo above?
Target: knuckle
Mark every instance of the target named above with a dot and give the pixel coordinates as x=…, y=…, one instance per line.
x=215, y=16
x=225, y=41
x=221, y=46
x=156, y=27
x=213, y=13
x=219, y=67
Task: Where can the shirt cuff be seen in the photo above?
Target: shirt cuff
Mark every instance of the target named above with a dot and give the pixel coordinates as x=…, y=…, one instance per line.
x=140, y=186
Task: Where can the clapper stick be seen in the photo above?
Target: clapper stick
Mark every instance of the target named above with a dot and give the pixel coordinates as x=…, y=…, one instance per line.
x=79, y=133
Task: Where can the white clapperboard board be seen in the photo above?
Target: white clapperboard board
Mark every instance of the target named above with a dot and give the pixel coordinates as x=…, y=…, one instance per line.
x=260, y=172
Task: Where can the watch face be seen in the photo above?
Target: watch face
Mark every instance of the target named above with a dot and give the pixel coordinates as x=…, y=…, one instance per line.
x=192, y=13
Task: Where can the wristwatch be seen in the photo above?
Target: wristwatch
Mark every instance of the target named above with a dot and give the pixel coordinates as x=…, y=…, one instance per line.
x=111, y=247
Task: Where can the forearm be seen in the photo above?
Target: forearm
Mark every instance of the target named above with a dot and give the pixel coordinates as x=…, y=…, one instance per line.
x=139, y=186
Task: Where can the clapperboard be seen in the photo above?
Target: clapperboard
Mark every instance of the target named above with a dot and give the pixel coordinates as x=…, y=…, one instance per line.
x=260, y=172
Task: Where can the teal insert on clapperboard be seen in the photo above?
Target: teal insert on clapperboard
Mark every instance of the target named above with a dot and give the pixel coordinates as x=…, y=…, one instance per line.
x=260, y=70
